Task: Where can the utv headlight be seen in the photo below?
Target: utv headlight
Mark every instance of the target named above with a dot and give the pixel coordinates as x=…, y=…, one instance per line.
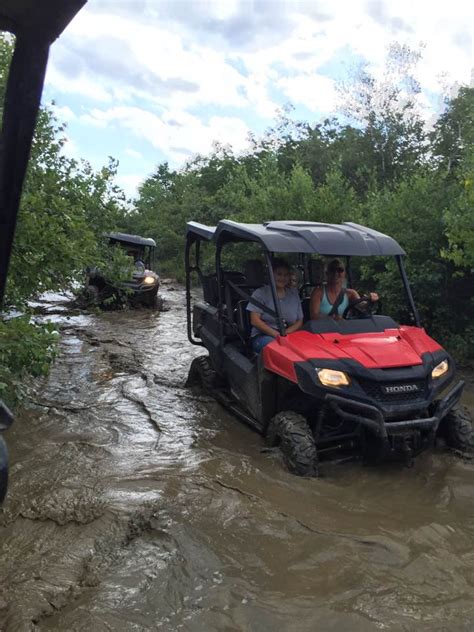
x=329, y=377
x=440, y=369
x=149, y=280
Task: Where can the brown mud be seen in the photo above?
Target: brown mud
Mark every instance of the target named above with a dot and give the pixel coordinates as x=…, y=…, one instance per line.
x=138, y=504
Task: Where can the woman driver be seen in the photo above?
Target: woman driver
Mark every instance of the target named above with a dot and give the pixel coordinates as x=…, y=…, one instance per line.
x=333, y=298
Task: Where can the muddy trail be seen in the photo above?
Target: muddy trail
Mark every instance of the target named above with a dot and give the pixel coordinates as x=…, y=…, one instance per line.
x=138, y=504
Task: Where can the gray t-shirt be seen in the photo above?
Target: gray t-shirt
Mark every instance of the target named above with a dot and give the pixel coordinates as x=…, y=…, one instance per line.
x=290, y=306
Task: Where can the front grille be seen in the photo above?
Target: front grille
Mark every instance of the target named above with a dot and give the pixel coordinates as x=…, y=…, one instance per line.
x=375, y=390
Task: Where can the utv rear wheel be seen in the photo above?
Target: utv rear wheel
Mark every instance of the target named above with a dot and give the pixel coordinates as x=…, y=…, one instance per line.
x=202, y=373
x=459, y=433
x=292, y=433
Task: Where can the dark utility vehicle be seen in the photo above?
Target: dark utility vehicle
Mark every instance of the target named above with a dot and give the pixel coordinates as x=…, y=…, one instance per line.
x=361, y=386
x=142, y=287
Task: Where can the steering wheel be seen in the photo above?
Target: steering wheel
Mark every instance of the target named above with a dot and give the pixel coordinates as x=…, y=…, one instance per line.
x=361, y=308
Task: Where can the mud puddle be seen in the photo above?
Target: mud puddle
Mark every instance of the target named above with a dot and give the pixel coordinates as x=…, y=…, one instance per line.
x=137, y=504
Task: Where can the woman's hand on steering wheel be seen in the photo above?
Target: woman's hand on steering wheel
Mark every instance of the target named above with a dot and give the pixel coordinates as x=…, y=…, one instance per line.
x=363, y=306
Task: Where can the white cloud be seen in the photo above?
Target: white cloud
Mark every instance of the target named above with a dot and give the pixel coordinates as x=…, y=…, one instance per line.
x=314, y=91
x=133, y=153
x=182, y=74
x=85, y=86
x=154, y=54
x=155, y=63
x=63, y=113
x=70, y=148
x=176, y=132
x=129, y=183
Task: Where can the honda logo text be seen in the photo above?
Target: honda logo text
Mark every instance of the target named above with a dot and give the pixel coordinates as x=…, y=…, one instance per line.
x=400, y=388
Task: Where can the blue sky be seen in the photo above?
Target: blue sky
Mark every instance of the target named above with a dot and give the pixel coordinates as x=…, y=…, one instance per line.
x=152, y=80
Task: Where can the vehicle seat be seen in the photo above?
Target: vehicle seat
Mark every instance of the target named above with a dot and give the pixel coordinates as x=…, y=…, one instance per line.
x=315, y=279
x=210, y=288
x=242, y=319
x=256, y=276
x=237, y=314
x=255, y=273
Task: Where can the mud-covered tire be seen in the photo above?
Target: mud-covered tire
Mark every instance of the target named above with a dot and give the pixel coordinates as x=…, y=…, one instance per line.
x=3, y=470
x=291, y=432
x=458, y=431
x=88, y=297
x=201, y=373
x=151, y=300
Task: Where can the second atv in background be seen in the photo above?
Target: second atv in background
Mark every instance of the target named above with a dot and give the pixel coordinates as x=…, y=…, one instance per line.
x=142, y=283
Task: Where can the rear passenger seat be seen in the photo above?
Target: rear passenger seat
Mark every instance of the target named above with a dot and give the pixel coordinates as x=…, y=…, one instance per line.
x=315, y=279
x=254, y=277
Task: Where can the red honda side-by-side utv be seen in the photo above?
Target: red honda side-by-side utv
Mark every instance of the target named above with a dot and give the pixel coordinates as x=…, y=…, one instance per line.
x=363, y=385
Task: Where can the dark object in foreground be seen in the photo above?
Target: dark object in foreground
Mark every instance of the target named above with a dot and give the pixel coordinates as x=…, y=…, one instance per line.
x=35, y=26
x=143, y=284
x=363, y=386
x=6, y=420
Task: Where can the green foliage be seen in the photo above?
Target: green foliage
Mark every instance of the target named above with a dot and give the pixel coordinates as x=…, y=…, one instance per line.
x=385, y=171
x=116, y=265
x=65, y=208
x=26, y=349
x=6, y=52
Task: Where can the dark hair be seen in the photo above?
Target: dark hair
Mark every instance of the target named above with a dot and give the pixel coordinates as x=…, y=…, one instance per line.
x=280, y=263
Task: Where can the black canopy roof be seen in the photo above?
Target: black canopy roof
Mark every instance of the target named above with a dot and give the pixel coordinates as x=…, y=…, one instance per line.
x=45, y=18
x=347, y=239
x=136, y=240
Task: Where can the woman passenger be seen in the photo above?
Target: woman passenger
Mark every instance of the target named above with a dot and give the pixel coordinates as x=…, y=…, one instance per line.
x=264, y=326
x=333, y=298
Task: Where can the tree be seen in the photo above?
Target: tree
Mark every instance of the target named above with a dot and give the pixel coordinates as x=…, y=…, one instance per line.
x=386, y=110
x=65, y=207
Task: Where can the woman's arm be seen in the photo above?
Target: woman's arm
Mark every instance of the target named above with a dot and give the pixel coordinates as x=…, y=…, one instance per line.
x=262, y=326
x=294, y=327
x=352, y=295
x=315, y=303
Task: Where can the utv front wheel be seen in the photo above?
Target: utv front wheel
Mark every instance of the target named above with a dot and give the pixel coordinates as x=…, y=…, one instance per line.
x=459, y=433
x=92, y=295
x=202, y=373
x=292, y=433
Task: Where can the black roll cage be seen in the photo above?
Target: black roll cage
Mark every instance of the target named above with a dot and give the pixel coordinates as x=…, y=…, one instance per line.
x=198, y=233
x=146, y=251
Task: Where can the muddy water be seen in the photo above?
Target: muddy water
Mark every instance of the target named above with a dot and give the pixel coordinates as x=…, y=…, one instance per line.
x=136, y=504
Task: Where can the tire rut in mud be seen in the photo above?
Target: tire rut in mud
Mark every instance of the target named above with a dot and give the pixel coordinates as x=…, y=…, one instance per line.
x=60, y=529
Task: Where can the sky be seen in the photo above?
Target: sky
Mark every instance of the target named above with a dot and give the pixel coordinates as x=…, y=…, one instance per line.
x=149, y=81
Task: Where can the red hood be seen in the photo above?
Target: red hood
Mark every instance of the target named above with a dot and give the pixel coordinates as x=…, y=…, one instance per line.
x=379, y=350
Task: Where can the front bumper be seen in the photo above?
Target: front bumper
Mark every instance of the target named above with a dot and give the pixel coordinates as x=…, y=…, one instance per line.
x=373, y=418
x=141, y=288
